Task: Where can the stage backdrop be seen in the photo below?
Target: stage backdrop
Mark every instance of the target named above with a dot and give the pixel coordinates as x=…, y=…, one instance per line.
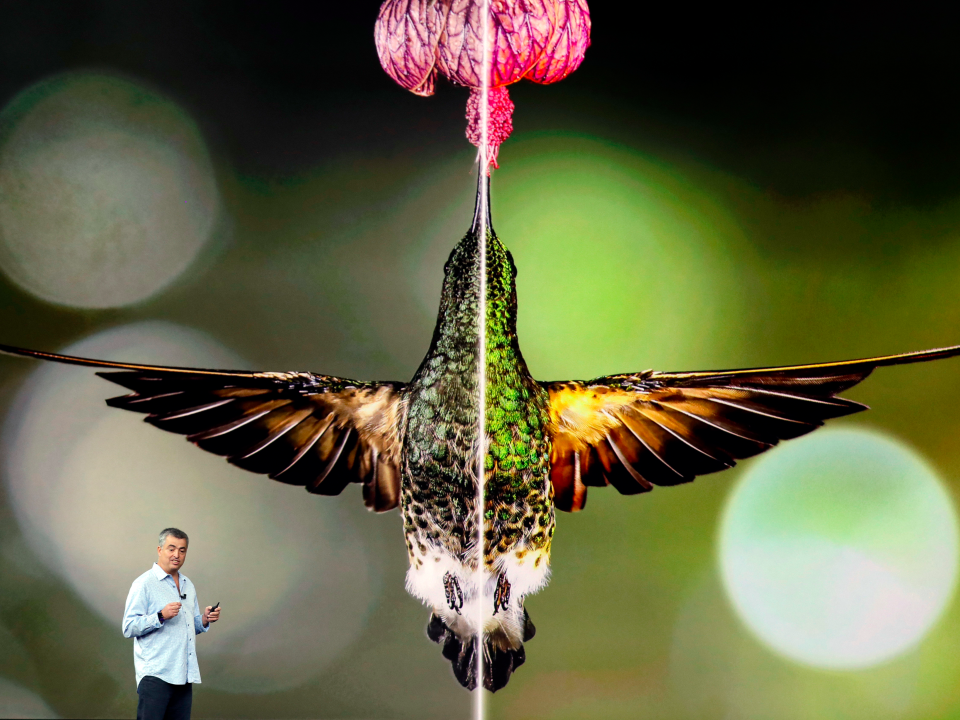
x=239, y=185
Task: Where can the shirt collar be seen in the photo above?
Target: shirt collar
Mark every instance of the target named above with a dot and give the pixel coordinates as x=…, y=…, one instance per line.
x=160, y=574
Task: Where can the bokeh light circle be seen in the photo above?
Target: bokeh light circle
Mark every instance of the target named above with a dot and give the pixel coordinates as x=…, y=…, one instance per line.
x=91, y=487
x=839, y=550
x=620, y=258
x=107, y=193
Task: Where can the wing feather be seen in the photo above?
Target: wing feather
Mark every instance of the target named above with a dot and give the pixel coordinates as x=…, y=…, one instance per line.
x=316, y=431
x=635, y=431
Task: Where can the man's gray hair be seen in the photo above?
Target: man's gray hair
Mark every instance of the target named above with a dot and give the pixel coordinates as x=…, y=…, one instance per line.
x=177, y=533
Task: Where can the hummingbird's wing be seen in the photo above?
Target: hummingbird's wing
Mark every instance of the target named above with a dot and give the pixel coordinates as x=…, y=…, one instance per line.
x=635, y=431
x=317, y=431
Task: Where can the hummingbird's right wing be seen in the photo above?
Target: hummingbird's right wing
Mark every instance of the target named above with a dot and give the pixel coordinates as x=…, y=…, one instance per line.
x=316, y=431
x=635, y=431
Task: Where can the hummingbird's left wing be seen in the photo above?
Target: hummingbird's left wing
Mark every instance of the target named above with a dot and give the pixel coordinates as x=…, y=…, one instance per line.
x=635, y=431
x=316, y=431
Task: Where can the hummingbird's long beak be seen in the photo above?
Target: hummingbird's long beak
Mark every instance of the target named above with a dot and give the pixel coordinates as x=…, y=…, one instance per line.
x=483, y=183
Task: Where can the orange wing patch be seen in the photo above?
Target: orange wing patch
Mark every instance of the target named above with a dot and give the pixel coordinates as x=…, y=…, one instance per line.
x=585, y=413
x=645, y=429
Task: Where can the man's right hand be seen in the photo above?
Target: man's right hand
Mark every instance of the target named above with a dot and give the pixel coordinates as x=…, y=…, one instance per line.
x=170, y=610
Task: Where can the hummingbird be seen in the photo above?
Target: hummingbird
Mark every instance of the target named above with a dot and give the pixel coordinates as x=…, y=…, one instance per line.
x=476, y=453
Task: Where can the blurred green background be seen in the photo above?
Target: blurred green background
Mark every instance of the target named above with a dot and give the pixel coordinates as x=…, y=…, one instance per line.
x=236, y=183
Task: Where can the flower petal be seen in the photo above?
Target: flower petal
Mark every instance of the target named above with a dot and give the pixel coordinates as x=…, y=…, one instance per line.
x=407, y=33
x=567, y=45
x=460, y=53
x=522, y=29
x=518, y=32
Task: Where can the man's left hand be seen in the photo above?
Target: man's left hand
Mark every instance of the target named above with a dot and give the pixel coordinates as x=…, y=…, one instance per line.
x=210, y=616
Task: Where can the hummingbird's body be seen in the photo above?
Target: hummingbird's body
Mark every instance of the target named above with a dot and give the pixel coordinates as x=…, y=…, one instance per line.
x=468, y=588
x=478, y=517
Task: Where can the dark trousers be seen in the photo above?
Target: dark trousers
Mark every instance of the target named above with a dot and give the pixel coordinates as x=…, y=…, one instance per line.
x=160, y=700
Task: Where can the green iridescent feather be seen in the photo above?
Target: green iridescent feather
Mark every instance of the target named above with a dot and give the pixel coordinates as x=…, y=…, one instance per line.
x=518, y=507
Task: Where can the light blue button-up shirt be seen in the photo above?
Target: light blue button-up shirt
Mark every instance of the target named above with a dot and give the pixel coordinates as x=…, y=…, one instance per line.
x=164, y=650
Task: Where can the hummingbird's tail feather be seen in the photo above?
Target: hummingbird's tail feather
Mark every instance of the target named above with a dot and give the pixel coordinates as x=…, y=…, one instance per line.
x=499, y=662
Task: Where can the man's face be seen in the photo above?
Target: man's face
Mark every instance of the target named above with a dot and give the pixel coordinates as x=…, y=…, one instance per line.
x=172, y=554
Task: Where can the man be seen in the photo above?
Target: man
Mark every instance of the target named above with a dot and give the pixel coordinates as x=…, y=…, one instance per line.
x=164, y=652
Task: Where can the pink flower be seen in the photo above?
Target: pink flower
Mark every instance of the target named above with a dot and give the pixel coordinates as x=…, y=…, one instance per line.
x=541, y=40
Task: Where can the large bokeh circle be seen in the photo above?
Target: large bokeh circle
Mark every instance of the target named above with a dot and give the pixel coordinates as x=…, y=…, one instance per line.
x=839, y=550
x=107, y=193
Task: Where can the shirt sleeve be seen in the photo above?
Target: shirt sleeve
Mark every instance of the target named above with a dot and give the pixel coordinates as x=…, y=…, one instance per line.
x=137, y=618
x=197, y=616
